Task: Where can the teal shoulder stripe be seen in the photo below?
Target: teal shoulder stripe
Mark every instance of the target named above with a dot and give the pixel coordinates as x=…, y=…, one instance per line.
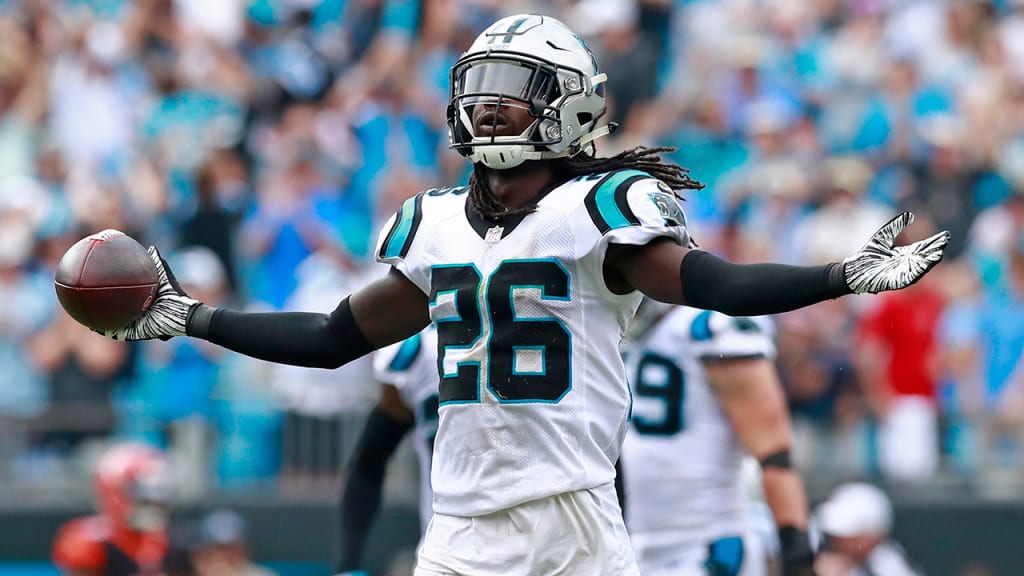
x=609, y=197
x=700, y=329
x=407, y=353
x=408, y=221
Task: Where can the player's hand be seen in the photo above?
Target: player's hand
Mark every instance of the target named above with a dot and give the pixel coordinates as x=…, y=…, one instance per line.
x=167, y=316
x=797, y=554
x=880, y=266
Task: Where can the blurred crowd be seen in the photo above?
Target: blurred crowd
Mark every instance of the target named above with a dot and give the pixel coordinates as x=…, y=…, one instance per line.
x=261, y=143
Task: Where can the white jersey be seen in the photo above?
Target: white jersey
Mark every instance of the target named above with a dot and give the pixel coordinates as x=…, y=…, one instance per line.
x=411, y=367
x=682, y=465
x=533, y=393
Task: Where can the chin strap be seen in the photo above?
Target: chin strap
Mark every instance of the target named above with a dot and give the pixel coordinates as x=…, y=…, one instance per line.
x=516, y=154
x=609, y=128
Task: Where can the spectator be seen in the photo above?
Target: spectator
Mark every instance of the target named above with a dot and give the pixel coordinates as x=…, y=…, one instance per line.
x=856, y=522
x=223, y=548
x=945, y=183
x=703, y=142
x=747, y=81
x=994, y=234
x=846, y=180
x=628, y=56
x=222, y=191
x=82, y=375
x=87, y=99
x=824, y=398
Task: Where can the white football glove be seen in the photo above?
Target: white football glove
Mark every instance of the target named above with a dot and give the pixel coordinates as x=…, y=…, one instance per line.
x=167, y=316
x=880, y=266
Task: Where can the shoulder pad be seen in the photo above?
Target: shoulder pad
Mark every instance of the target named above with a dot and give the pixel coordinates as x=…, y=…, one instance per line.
x=633, y=207
x=607, y=203
x=403, y=229
x=718, y=336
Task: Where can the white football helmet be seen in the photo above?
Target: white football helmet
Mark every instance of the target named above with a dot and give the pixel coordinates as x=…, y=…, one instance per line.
x=536, y=63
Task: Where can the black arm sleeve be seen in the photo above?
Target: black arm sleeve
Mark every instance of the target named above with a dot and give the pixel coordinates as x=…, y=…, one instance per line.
x=362, y=494
x=296, y=338
x=755, y=289
x=797, y=554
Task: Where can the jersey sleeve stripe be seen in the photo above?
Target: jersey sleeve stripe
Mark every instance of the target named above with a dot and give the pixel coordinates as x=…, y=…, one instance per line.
x=399, y=240
x=387, y=239
x=608, y=204
x=622, y=201
x=406, y=355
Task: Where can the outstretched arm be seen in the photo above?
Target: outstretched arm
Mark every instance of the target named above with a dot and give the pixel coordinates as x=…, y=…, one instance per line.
x=389, y=310
x=668, y=272
x=751, y=396
x=388, y=423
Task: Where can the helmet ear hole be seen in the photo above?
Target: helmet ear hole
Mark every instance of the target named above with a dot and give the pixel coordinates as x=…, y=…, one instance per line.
x=584, y=117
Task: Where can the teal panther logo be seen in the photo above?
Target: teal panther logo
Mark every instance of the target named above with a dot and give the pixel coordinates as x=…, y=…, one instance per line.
x=668, y=206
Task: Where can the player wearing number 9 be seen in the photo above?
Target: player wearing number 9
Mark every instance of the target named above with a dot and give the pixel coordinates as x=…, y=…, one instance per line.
x=706, y=398
x=531, y=274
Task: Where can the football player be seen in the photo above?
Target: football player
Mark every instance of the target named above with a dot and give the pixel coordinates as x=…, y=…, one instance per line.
x=531, y=273
x=129, y=535
x=408, y=374
x=705, y=396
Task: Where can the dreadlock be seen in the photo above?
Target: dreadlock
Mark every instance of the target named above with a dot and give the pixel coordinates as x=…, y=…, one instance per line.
x=642, y=158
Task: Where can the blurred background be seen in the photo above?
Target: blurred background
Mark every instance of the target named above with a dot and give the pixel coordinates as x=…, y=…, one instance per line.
x=261, y=143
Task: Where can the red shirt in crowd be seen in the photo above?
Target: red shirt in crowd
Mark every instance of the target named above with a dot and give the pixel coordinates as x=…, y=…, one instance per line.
x=903, y=325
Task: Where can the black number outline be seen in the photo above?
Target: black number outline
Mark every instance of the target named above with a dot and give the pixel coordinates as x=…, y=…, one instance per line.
x=672, y=393
x=471, y=293
x=508, y=291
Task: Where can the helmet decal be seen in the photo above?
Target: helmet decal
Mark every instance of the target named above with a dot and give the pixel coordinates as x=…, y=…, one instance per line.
x=593, y=59
x=668, y=205
x=508, y=34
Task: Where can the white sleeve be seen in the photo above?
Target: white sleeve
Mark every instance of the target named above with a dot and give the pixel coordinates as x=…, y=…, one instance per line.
x=400, y=243
x=716, y=336
x=631, y=207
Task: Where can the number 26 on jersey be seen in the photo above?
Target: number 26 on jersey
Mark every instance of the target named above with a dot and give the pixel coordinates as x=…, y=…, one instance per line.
x=528, y=358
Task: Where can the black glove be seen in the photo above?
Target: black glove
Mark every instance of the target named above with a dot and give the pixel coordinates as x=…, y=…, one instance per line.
x=797, y=554
x=167, y=316
x=880, y=266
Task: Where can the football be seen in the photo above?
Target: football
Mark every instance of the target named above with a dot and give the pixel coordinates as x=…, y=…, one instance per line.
x=106, y=280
